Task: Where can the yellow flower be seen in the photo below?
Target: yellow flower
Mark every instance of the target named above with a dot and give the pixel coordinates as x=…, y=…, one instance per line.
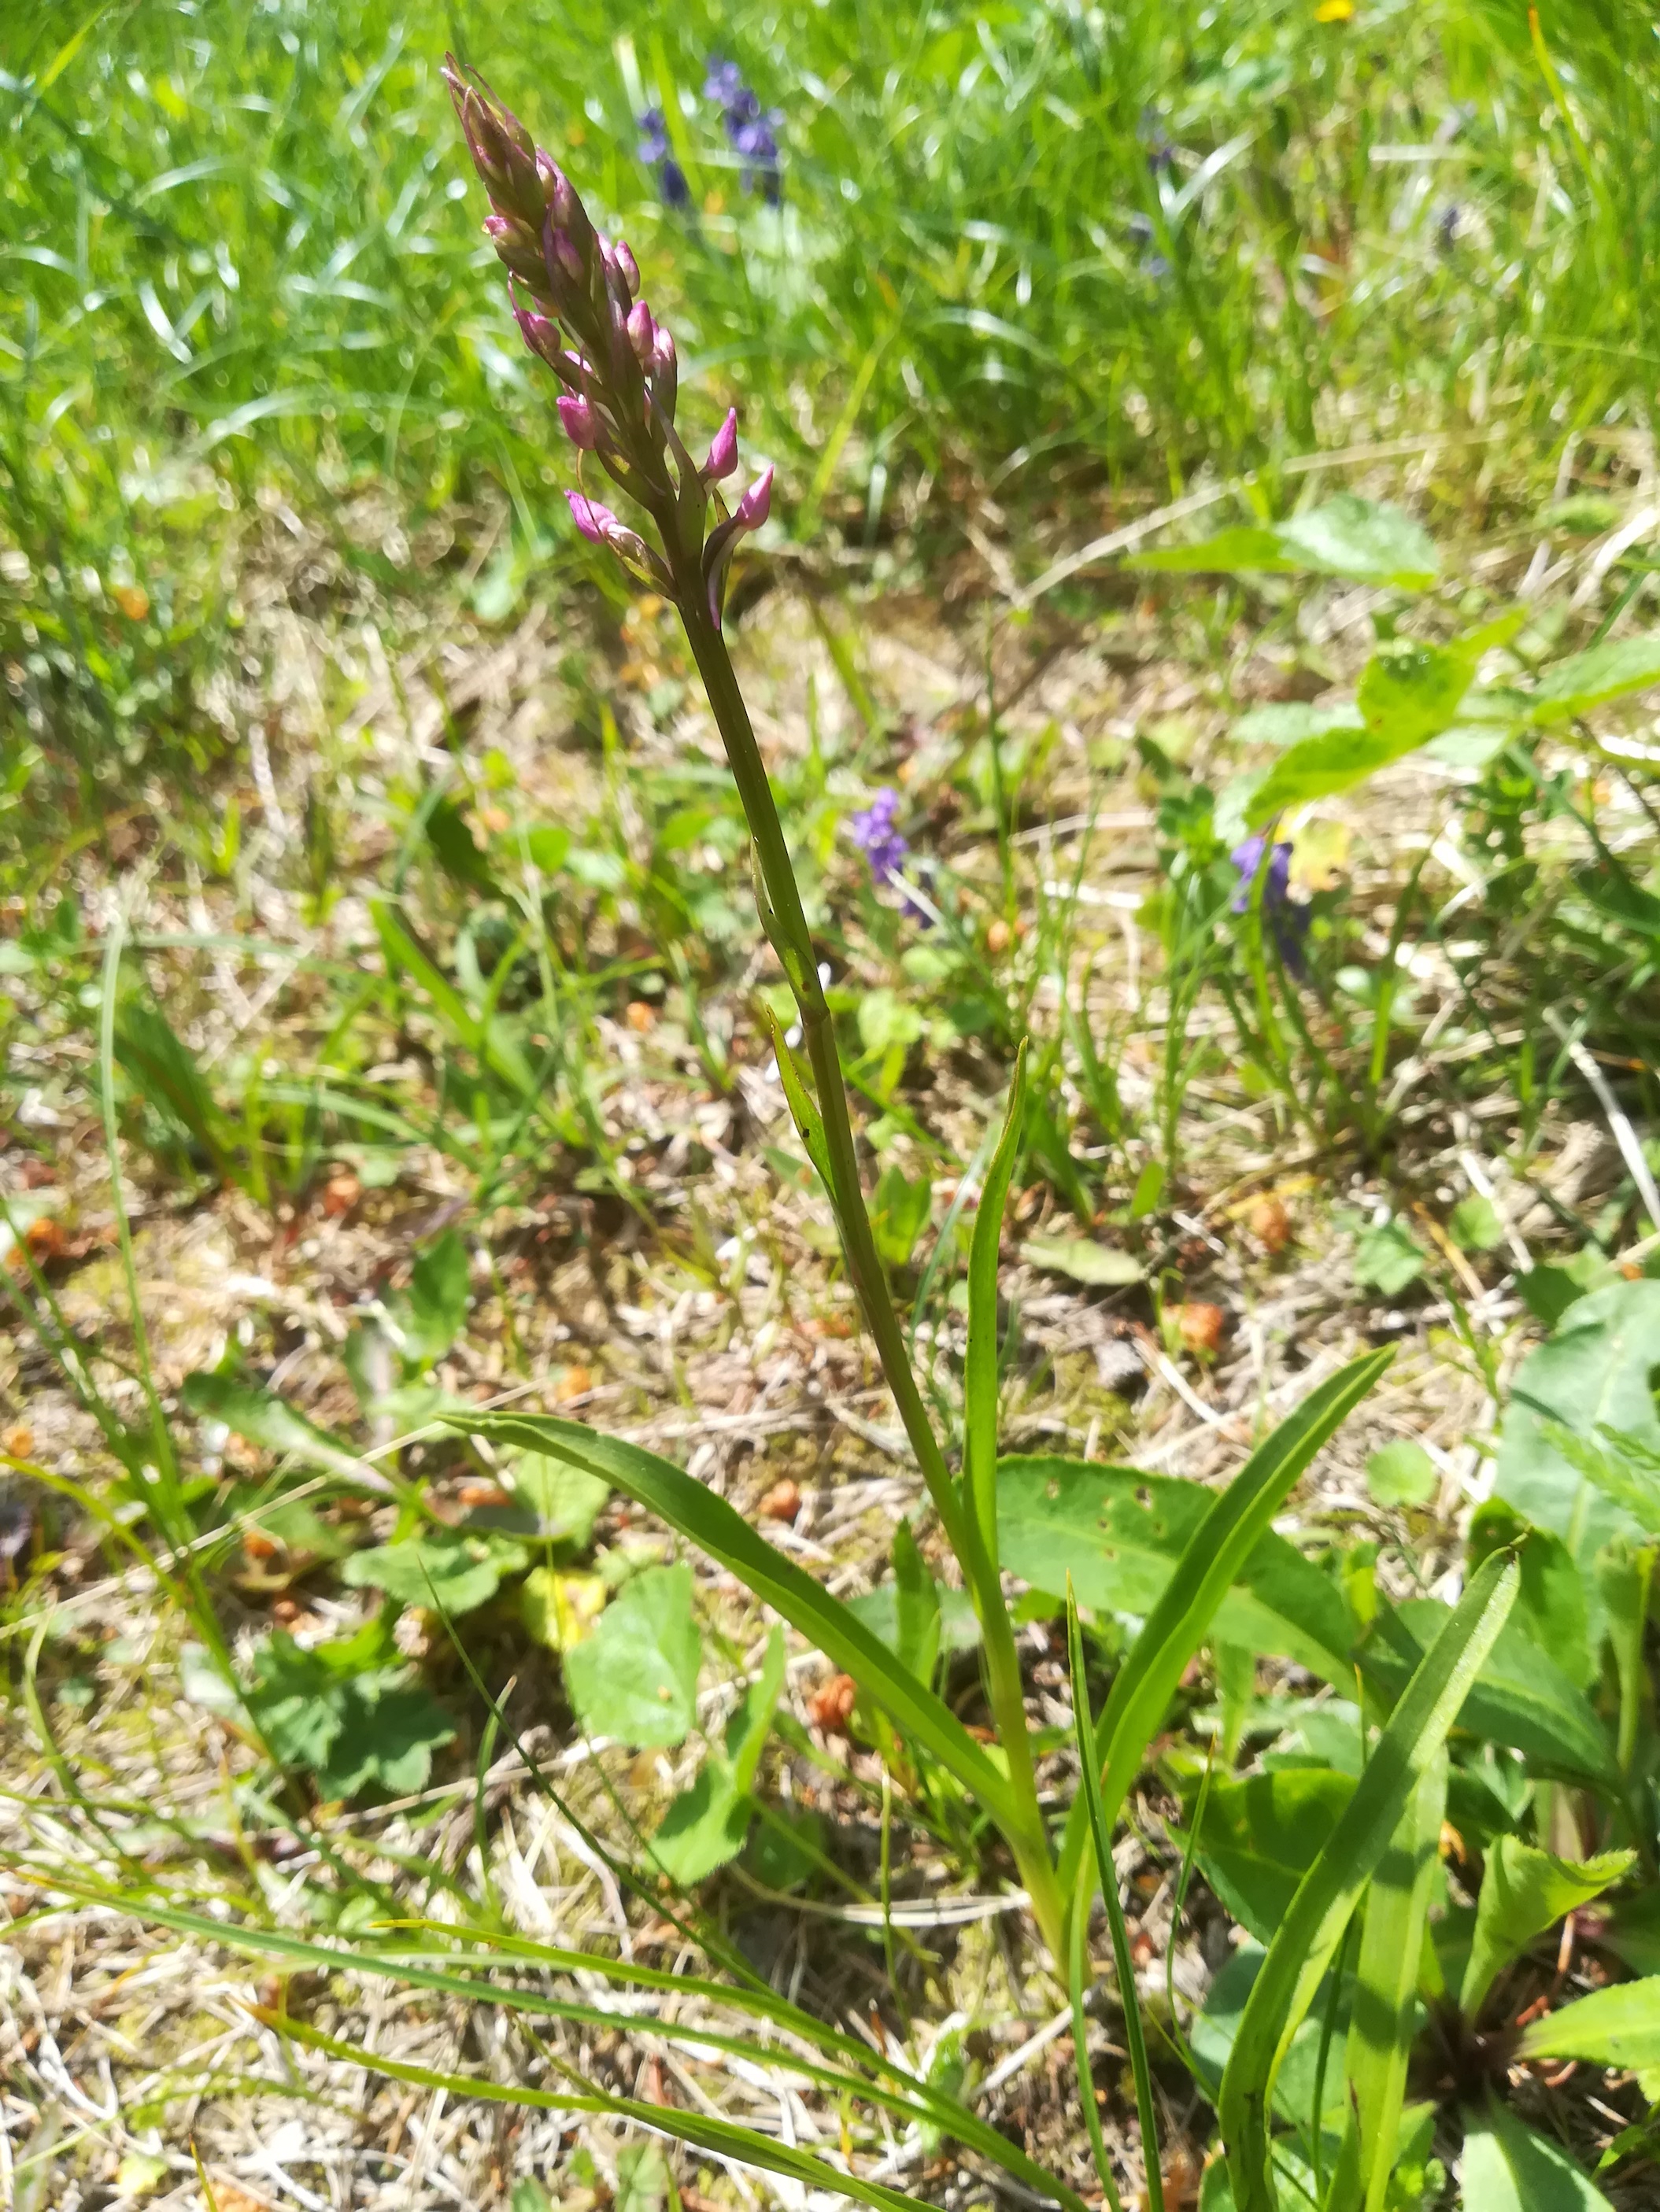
x=1335, y=11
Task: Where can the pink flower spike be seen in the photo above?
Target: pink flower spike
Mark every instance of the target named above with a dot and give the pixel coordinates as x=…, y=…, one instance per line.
x=723, y=450
x=756, y=505
x=595, y=522
x=581, y=424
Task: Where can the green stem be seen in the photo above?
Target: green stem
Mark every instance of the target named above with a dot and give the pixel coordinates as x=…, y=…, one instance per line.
x=785, y=924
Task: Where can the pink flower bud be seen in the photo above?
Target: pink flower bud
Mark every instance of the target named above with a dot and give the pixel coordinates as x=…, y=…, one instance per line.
x=629, y=266
x=756, y=505
x=643, y=331
x=562, y=254
x=517, y=245
x=597, y=523
x=723, y=450
x=582, y=423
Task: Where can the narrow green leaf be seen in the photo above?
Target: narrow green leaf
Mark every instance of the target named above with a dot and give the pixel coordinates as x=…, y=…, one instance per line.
x=1107, y=1878
x=405, y=956
x=979, y=1371
x=803, y=1112
x=415, y=1969
x=250, y=1411
x=162, y=1067
x=724, y=2139
x=1382, y=2015
x=709, y=1523
x=1307, y=1938
x=1523, y=1892
x=1209, y=1566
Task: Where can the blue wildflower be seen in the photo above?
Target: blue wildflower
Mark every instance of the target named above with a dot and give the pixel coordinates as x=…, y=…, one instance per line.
x=875, y=833
x=751, y=130
x=1289, y=922
x=655, y=154
x=1160, y=148
x=1448, y=225
x=1154, y=264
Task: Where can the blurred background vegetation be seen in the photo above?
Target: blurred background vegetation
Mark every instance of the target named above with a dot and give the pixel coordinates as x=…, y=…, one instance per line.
x=1033, y=254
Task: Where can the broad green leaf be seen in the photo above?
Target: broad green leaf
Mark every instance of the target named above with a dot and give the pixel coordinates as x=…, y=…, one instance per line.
x=1616, y=2026
x=915, y=1607
x=635, y=1677
x=1594, y=1372
x=1384, y=2010
x=1210, y=1565
x=1347, y=535
x=1521, y=1698
x=1302, y=1951
x=879, y=1609
x=1259, y=1836
x=1551, y=1604
x=708, y=1522
x=1216, y=2031
x=706, y=1823
x=352, y=1722
x=1120, y=1535
x=1407, y=695
x=1292, y=723
x=1585, y=680
x=980, y=1373
x=1476, y=1225
x=1617, y=1464
x=434, y=1309
x=1084, y=1259
x=898, y=1214
x=1386, y=1258
x=442, y=1569
x=1509, y=2167
x=566, y=1500
x=642, y=2179
x=559, y=1609
x=886, y=1020
x=262, y=1418
x=1402, y=1472
x=1524, y=1892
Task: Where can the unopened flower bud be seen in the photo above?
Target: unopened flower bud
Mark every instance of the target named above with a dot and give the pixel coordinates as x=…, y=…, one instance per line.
x=518, y=247
x=502, y=153
x=629, y=266
x=723, y=450
x=581, y=422
x=562, y=255
x=596, y=523
x=756, y=505
x=643, y=331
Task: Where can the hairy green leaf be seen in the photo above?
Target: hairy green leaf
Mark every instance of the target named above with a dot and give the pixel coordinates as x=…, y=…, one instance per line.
x=1523, y=1892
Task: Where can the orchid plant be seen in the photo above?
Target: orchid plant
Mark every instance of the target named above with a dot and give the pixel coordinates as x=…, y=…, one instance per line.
x=577, y=298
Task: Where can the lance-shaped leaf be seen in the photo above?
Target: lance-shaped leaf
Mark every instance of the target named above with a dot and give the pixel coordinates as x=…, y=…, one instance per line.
x=1209, y=1566
x=1303, y=1950
x=709, y=1523
x=1509, y=2167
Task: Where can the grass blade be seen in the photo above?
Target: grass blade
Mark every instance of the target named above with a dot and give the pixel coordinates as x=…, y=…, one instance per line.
x=1208, y=1568
x=980, y=1370
x=1381, y=2023
x=722, y=2139
x=1090, y=1790
x=711, y=1524
x=1301, y=1951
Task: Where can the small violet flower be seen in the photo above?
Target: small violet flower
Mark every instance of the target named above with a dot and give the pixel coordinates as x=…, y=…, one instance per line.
x=751, y=130
x=655, y=154
x=875, y=833
x=1288, y=921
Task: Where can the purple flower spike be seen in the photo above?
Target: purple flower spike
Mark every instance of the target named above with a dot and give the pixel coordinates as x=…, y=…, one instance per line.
x=749, y=513
x=723, y=450
x=582, y=423
x=875, y=833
